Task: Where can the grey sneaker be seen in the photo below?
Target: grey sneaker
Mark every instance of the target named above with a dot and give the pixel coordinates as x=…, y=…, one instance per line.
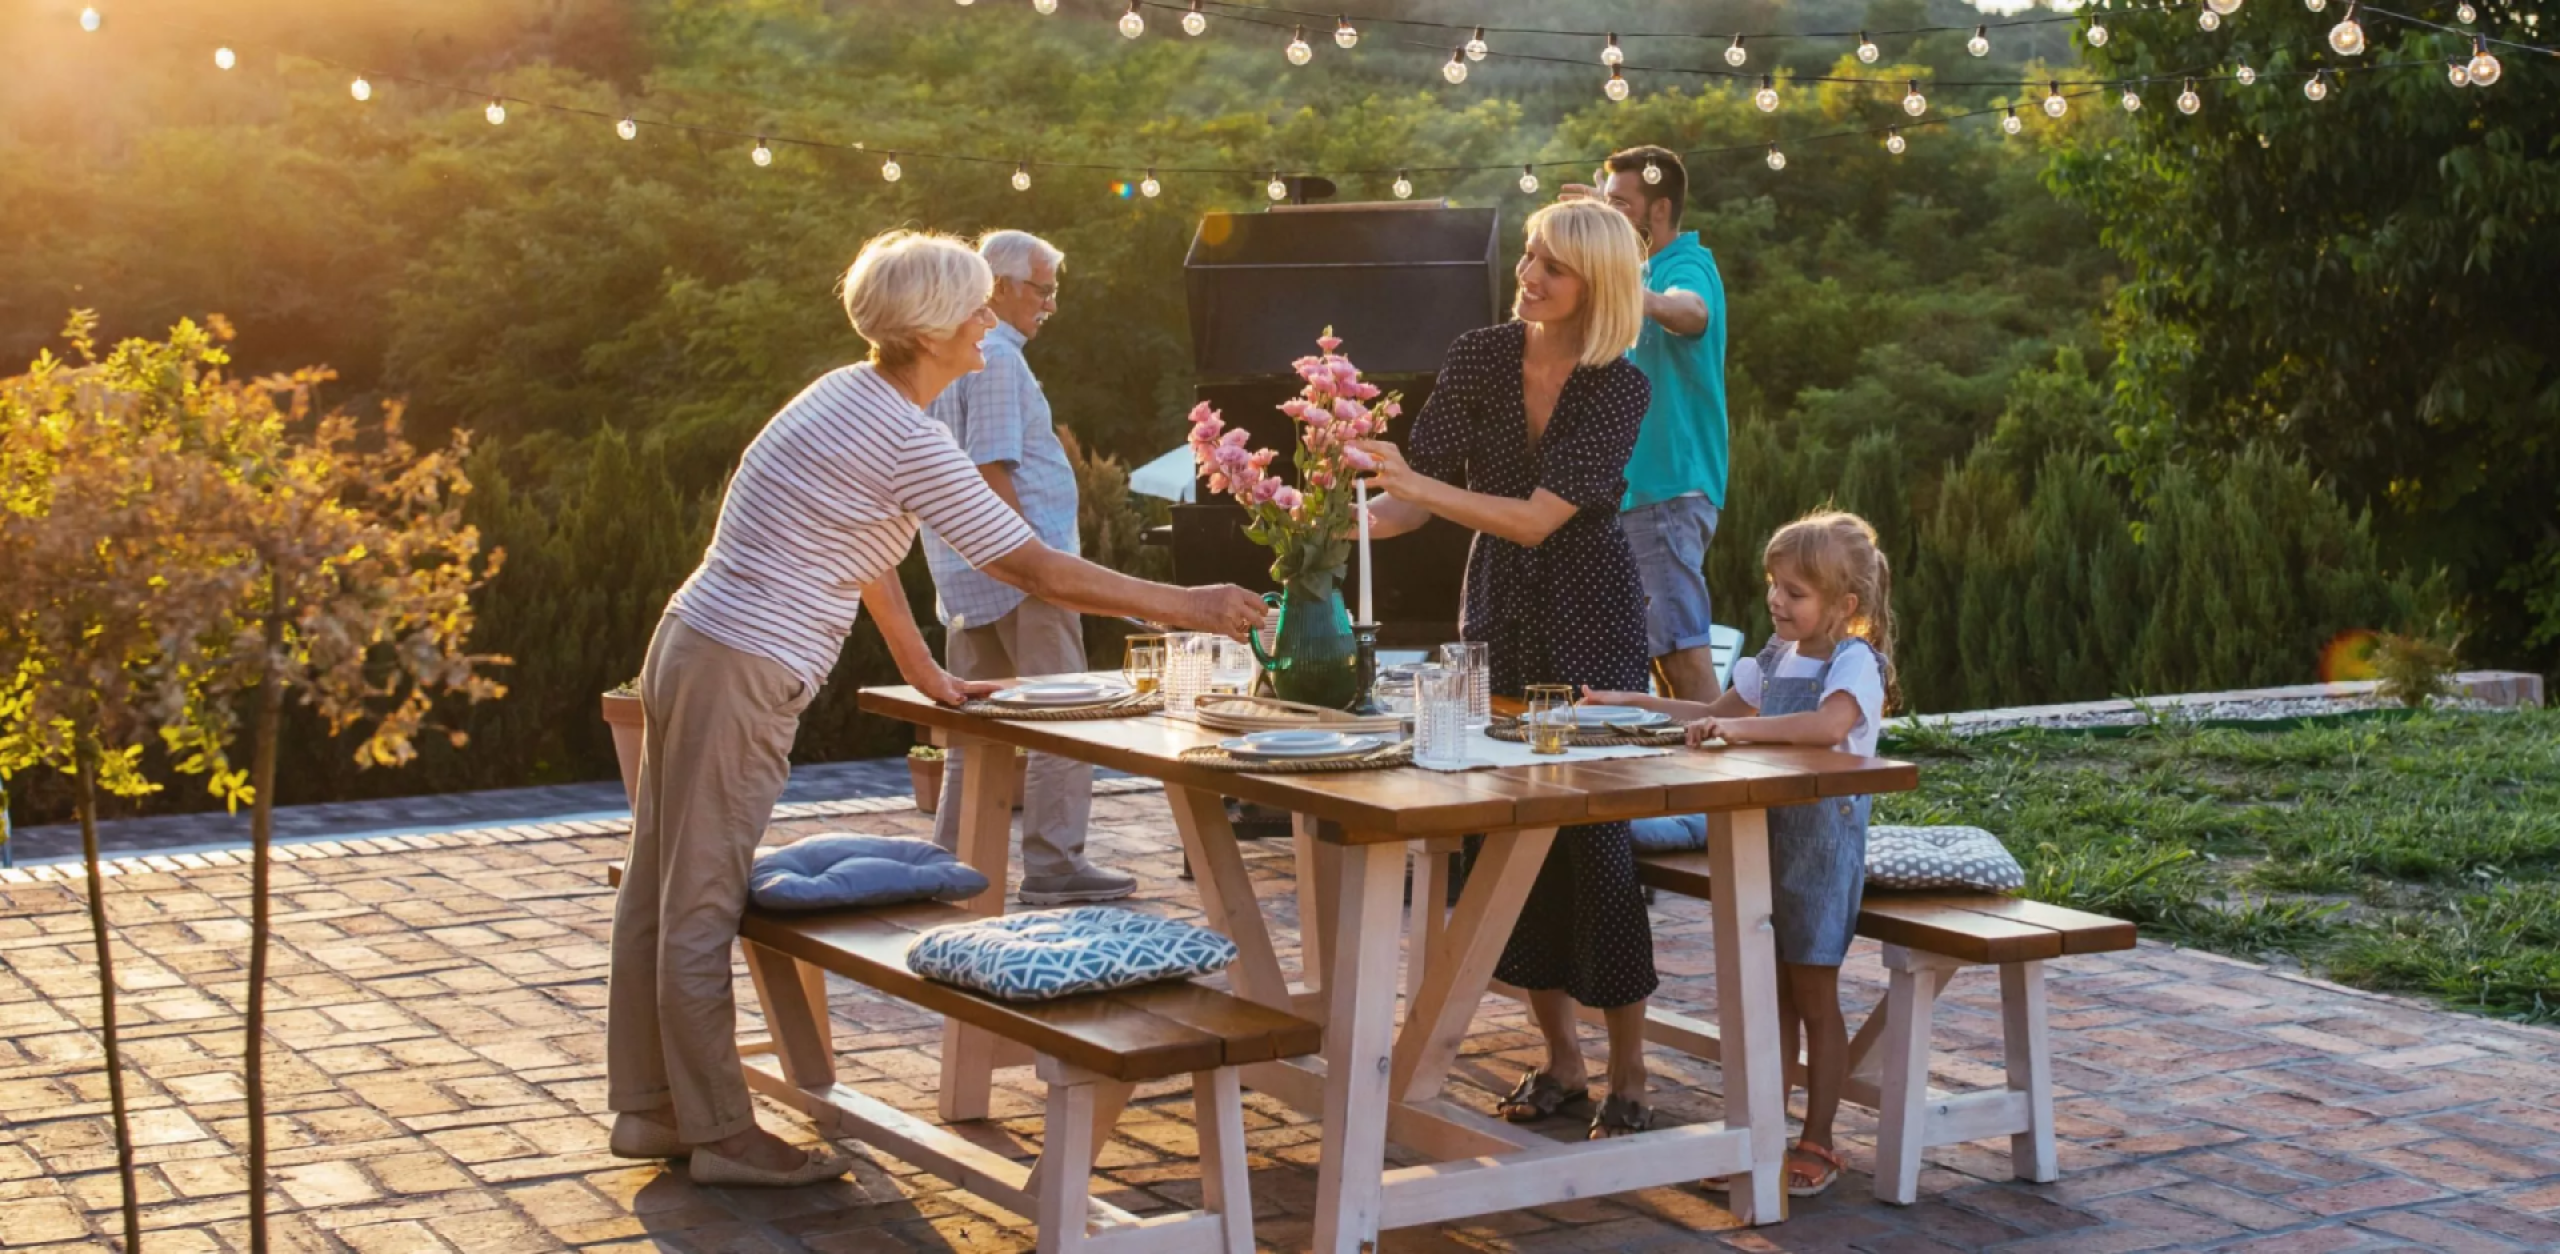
x=1077, y=887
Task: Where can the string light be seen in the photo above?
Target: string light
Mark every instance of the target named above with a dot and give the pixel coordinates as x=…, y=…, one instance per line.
x=1767, y=96
x=2097, y=35
x=1276, y=189
x=2248, y=77
x=1476, y=46
x=2315, y=5
x=1403, y=187
x=2132, y=101
x=891, y=171
x=89, y=20
x=1045, y=8
x=1611, y=53
x=1021, y=176
x=760, y=154
x=2457, y=73
x=1148, y=186
x=1133, y=23
x=496, y=112
x=2208, y=21
x=2054, y=105
x=1777, y=159
x=2223, y=7
x=1195, y=21
x=1980, y=44
x=2009, y=121
x=2318, y=87
x=1528, y=181
x=1735, y=56
x=1652, y=172
x=627, y=128
x=2484, y=67
x=2188, y=100
x=1867, y=50
x=223, y=58
x=2347, y=37
x=1616, y=87
x=1914, y=103
x=360, y=89
x=1893, y=142
x=2465, y=14
x=1344, y=37
x=1299, y=52
x=1456, y=70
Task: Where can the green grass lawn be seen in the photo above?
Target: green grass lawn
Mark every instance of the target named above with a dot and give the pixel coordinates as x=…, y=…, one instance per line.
x=2414, y=855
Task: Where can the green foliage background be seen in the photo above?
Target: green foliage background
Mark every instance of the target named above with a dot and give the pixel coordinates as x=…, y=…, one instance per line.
x=2075, y=377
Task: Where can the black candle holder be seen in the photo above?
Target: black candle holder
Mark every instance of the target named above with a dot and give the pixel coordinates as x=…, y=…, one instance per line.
x=1365, y=638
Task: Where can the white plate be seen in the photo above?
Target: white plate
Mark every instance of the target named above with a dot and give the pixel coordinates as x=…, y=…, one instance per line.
x=1336, y=746
x=1620, y=716
x=1061, y=692
x=1295, y=741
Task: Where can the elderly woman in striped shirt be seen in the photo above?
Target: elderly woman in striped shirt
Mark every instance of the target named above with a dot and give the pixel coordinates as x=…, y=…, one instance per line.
x=823, y=505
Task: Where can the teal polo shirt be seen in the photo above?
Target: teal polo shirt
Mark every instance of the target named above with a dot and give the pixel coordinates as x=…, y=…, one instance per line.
x=1685, y=446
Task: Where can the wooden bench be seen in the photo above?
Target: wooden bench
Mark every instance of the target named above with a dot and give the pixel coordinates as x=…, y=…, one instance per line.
x=1090, y=1049
x=1927, y=938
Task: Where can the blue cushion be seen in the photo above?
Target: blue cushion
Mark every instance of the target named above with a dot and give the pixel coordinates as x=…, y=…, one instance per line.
x=1675, y=833
x=842, y=869
x=1052, y=953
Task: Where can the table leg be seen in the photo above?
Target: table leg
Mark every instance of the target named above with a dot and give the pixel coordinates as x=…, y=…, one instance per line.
x=794, y=996
x=1226, y=894
x=1316, y=872
x=1435, y=1025
x=986, y=842
x=1755, y=1095
x=1360, y=993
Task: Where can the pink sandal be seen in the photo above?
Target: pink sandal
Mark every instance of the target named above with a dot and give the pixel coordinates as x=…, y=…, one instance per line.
x=1814, y=1184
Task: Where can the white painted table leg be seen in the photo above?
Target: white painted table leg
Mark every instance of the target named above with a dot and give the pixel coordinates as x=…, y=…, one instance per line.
x=2030, y=1058
x=1359, y=1033
x=1316, y=870
x=1227, y=898
x=1755, y=1094
x=986, y=842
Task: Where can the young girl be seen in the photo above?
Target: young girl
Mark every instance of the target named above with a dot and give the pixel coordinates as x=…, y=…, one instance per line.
x=1822, y=680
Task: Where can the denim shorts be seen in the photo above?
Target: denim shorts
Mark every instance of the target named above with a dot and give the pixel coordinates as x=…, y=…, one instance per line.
x=1669, y=540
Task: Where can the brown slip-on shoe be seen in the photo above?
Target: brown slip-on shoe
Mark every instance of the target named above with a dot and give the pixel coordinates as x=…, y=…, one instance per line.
x=635, y=1137
x=711, y=1168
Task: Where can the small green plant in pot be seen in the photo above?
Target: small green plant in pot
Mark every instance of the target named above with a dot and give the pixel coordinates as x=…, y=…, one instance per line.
x=924, y=768
x=622, y=714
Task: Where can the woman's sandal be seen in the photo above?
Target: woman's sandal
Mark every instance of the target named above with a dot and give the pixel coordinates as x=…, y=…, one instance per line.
x=1813, y=1185
x=1620, y=1116
x=1537, y=1097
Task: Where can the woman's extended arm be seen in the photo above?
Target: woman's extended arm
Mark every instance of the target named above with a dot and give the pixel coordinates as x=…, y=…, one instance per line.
x=886, y=599
x=1526, y=523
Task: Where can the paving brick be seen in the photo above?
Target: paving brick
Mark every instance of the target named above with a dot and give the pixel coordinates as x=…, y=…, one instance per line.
x=2363, y=1195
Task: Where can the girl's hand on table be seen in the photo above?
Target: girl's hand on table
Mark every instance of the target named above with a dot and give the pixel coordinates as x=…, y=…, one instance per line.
x=1703, y=730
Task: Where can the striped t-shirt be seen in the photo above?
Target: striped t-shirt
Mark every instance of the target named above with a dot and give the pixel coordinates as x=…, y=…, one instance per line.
x=826, y=499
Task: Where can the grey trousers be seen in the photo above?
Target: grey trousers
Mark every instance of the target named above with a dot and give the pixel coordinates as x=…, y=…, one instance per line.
x=1037, y=638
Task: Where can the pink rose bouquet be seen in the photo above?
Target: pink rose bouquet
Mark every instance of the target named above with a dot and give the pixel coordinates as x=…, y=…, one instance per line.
x=1307, y=526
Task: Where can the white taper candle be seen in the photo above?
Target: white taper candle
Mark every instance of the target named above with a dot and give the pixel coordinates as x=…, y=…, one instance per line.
x=1361, y=491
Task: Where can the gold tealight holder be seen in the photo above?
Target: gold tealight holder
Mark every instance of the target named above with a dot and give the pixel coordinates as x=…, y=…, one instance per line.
x=1548, y=722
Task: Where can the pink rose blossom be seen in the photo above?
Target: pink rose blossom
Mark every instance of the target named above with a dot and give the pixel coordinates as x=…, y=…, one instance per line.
x=1217, y=483
x=1391, y=409
x=1288, y=498
x=1320, y=478
x=1359, y=460
x=1328, y=342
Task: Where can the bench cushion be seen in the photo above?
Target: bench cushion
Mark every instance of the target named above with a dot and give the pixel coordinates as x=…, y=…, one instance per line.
x=838, y=870
x=1908, y=859
x=1056, y=953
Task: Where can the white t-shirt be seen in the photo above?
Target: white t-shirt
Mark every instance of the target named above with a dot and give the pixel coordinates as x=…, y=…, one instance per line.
x=1854, y=670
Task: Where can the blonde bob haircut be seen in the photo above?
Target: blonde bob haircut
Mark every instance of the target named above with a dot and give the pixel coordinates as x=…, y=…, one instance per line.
x=1597, y=244
x=906, y=286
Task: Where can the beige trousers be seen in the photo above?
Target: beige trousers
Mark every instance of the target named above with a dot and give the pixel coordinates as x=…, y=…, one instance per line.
x=714, y=758
x=1037, y=638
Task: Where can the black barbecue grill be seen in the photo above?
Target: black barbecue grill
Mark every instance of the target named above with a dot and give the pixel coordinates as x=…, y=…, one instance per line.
x=1397, y=282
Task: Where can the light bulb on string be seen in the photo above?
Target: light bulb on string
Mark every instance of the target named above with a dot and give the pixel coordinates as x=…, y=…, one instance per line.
x=2054, y=105
x=966, y=3
x=891, y=171
x=1403, y=187
x=1276, y=189
x=1980, y=44
x=2347, y=37
x=360, y=89
x=2484, y=67
x=1456, y=70
x=1299, y=53
x=2188, y=100
x=1021, y=177
x=2318, y=87
x=1867, y=50
x=1767, y=96
x=2457, y=73
x=1893, y=141
x=2223, y=7
x=1611, y=53
x=496, y=112
x=1133, y=23
x=1735, y=56
x=2315, y=5
x=2132, y=101
x=1195, y=21
x=1616, y=87
x=1777, y=159
x=2009, y=122
x=223, y=58
x=1148, y=186
x=1045, y=8
x=1652, y=172
x=1913, y=102
x=89, y=19
x=2208, y=21
x=1344, y=36
x=1476, y=46
x=2465, y=14
x=628, y=128
x=2097, y=35
x=2247, y=76
x=760, y=154
x=1528, y=181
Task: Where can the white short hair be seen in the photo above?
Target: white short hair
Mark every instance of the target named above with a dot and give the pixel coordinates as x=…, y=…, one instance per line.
x=907, y=285
x=1013, y=254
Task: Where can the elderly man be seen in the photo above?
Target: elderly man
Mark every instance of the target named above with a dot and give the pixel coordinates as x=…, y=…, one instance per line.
x=1001, y=420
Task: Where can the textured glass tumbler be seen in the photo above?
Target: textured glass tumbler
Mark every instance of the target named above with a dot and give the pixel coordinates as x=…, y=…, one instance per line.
x=1472, y=658
x=1440, y=716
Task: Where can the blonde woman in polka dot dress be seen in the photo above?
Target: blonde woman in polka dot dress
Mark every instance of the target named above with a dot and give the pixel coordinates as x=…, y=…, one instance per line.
x=1525, y=440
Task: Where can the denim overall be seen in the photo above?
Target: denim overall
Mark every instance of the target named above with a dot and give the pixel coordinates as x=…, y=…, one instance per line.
x=1817, y=851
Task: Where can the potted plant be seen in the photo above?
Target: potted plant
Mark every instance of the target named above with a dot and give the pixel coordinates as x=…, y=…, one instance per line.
x=622, y=714
x=924, y=767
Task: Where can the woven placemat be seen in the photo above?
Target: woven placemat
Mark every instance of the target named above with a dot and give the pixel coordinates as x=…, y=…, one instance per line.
x=1215, y=758
x=1129, y=706
x=1656, y=737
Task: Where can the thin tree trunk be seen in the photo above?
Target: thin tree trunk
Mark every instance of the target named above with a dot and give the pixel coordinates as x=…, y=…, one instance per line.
x=262, y=808
x=87, y=773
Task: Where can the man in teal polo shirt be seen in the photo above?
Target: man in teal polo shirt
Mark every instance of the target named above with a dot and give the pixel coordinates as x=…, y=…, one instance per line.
x=1676, y=480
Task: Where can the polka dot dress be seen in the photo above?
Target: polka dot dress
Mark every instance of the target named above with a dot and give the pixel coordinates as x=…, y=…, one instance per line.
x=1567, y=611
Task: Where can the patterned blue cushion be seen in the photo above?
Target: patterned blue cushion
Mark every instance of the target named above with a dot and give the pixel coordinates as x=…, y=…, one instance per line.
x=1052, y=953
x=841, y=869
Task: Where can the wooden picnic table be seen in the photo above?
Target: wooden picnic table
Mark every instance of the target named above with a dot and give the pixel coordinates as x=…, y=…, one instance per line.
x=1378, y=1081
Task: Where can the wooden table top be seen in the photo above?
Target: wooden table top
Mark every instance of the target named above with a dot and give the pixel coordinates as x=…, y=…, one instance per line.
x=1406, y=803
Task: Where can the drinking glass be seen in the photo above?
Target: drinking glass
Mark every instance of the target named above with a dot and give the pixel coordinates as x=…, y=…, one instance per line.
x=1550, y=718
x=1142, y=662
x=1190, y=659
x=1440, y=716
x=1233, y=669
x=1471, y=658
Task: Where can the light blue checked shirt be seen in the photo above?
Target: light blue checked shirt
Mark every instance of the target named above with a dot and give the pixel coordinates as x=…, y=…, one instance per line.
x=999, y=416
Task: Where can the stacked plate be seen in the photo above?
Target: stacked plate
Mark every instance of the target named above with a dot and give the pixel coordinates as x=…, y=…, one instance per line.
x=1300, y=746
x=1617, y=718
x=1055, y=693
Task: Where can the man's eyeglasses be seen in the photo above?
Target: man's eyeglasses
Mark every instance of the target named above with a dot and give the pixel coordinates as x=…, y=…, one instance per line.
x=1046, y=291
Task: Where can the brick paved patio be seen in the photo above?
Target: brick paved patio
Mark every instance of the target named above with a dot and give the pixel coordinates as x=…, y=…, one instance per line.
x=437, y=1076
